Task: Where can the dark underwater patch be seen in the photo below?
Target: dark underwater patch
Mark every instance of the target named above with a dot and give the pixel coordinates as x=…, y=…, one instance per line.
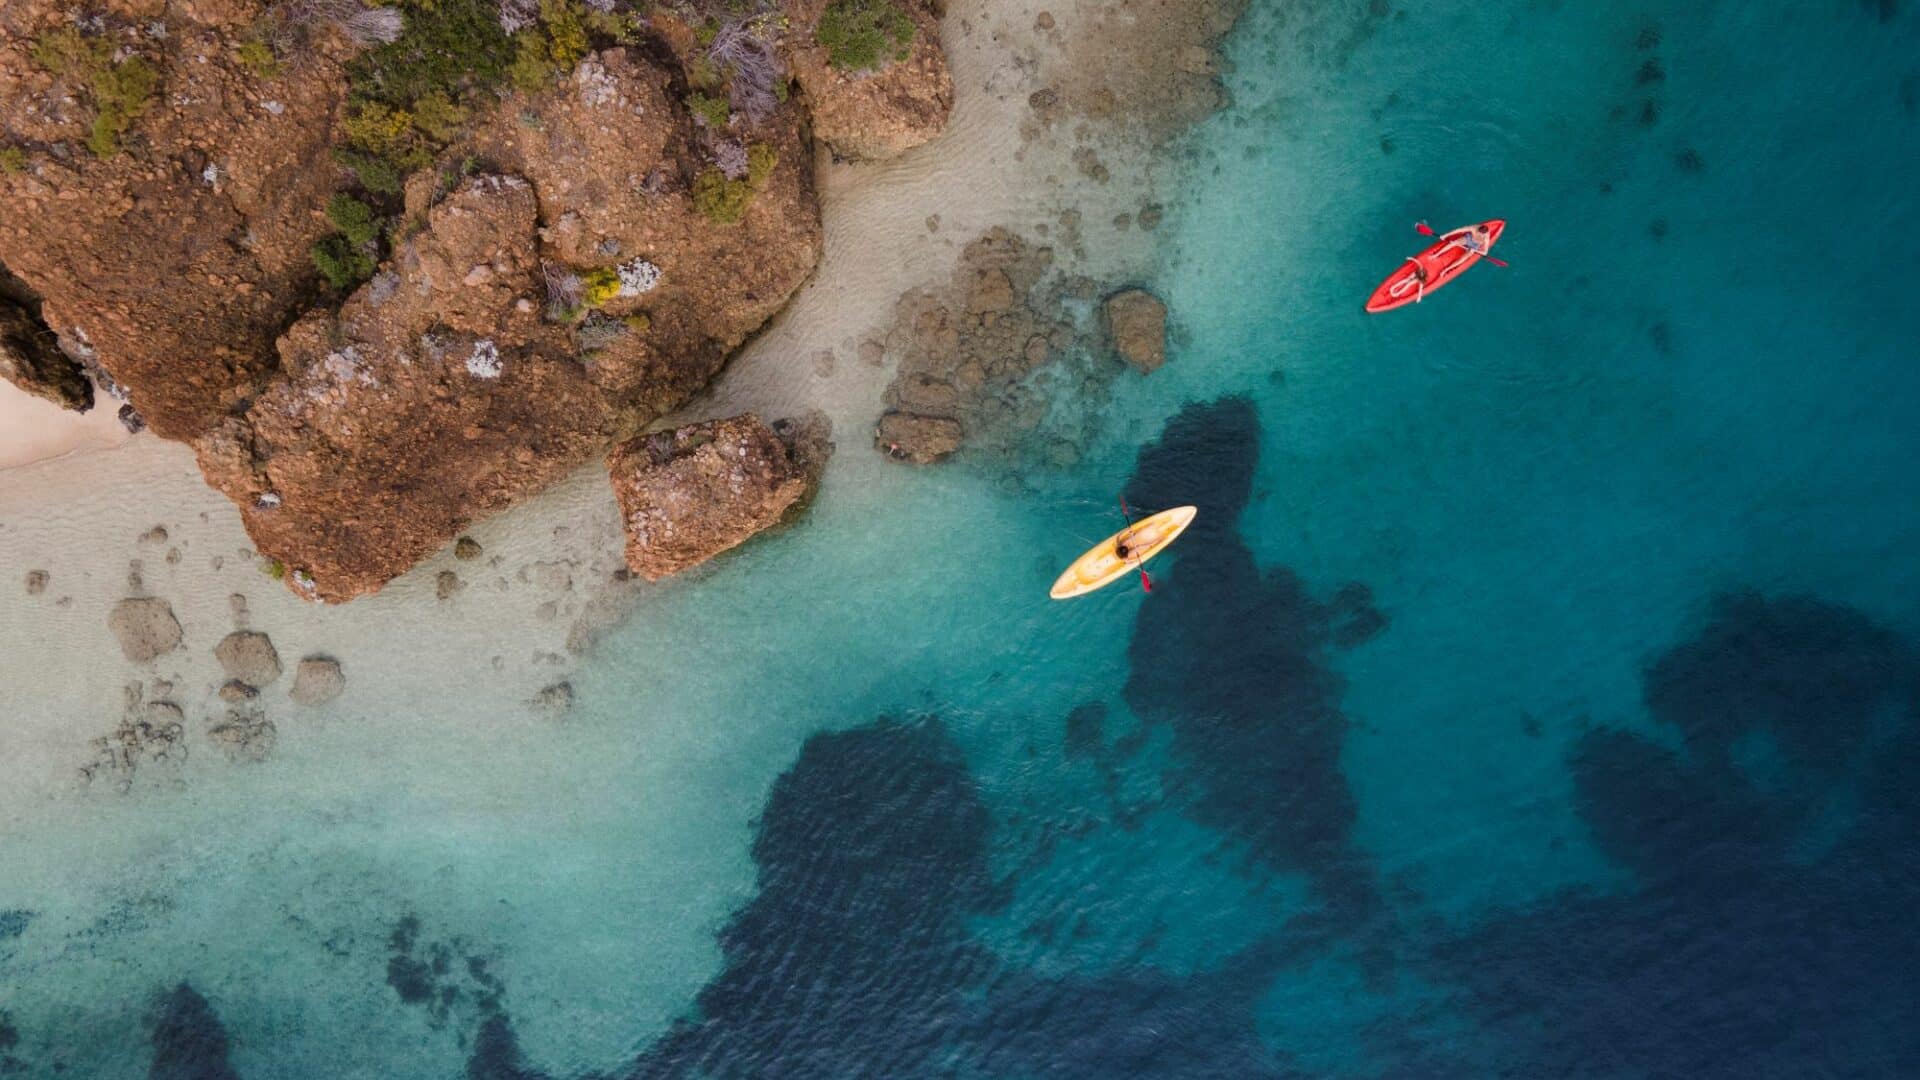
x=496, y=1053
x=189, y=1042
x=14, y=922
x=1236, y=663
x=1085, y=735
x=437, y=975
x=1134, y=1022
x=1743, y=952
x=853, y=959
x=1808, y=673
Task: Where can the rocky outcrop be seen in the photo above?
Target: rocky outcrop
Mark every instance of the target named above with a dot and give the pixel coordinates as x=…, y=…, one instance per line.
x=31, y=360
x=145, y=628
x=174, y=260
x=613, y=253
x=689, y=494
x=923, y=440
x=248, y=657
x=317, y=681
x=874, y=114
x=436, y=393
x=448, y=387
x=1148, y=65
x=1136, y=324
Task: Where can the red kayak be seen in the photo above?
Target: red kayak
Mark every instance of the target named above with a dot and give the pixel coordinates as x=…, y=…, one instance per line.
x=1441, y=263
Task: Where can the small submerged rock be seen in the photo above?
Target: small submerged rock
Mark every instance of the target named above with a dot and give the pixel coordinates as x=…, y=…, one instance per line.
x=554, y=700
x=445, y=584
x=245, y=735
x=236, y=692
x=1136, y=322
x=690, y=494
x=466, y=549
x=318, y=680
x=37, y=582
x=922, y=440
x=145, y=627
x=248, y=656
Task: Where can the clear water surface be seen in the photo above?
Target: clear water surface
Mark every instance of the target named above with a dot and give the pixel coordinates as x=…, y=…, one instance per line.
x=1537, y=695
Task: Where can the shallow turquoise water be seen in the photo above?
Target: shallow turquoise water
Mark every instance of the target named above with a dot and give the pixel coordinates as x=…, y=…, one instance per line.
x=1601, y=773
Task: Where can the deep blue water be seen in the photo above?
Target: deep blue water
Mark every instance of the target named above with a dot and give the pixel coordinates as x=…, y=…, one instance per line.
x=1537, y=694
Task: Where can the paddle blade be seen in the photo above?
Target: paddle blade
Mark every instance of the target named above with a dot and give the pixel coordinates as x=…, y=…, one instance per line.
x=1502, y=263
x=1423, y=228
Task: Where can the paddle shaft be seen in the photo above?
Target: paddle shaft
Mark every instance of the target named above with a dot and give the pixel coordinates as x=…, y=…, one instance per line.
x=1146, y=582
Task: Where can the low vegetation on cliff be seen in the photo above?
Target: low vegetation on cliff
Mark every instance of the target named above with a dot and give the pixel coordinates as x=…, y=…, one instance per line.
x=120, y=90
x=863, y=35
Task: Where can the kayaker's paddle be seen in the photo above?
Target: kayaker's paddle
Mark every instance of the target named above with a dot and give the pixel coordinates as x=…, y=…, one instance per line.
x=1146, y=583
x=1425, y=229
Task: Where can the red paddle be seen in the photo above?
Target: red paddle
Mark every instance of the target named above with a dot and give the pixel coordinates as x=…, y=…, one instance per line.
x=1425, y=229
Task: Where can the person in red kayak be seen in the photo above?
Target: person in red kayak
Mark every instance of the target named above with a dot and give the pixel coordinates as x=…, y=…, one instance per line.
x=1474, y=241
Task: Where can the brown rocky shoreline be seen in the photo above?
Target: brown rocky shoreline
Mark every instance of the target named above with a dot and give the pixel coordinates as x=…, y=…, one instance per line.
x=578, y=257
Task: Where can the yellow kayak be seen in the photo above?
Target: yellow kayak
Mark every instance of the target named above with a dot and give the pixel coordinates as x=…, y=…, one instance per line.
x=1102, y=564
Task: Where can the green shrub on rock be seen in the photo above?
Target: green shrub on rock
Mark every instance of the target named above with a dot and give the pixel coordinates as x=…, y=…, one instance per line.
x=257, y=57
x=121, y=91
x=340, y=262
x=711, y=111
x=723, y=201
x=864, y=35
x=354, y=219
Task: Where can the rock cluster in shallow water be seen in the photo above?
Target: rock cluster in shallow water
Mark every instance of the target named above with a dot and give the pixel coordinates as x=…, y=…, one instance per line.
x=982, y=357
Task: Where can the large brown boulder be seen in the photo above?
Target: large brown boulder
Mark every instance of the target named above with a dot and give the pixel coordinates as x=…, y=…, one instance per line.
x=437, y=393
x=874, y=114
x=615, y=161
x=689, y=494
x=30, y=360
